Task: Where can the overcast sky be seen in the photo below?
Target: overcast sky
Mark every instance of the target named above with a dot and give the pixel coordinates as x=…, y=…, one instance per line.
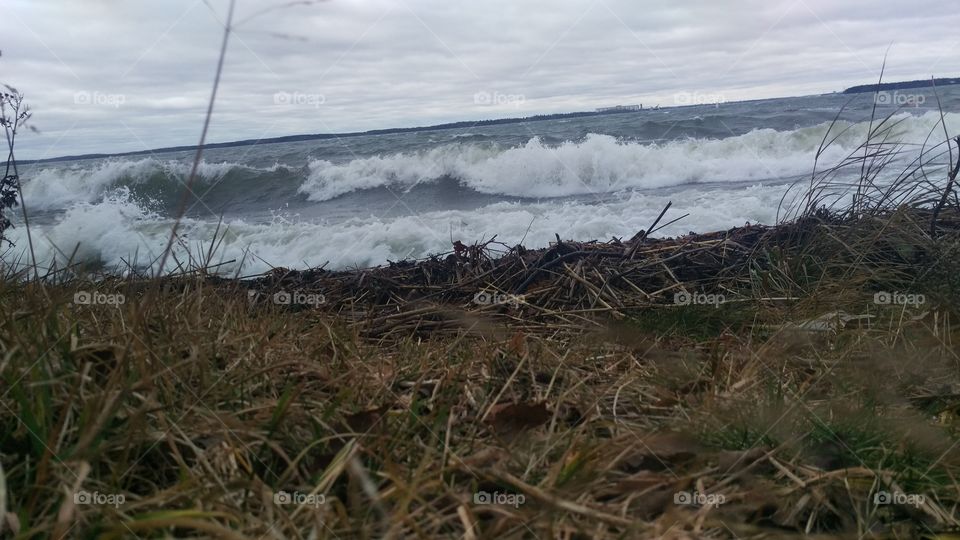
x=119, y=75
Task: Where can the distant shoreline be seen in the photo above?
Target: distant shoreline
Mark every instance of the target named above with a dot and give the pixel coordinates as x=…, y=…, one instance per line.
x=905, y=85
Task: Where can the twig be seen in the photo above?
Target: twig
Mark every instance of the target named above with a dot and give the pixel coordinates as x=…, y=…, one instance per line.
x=638, y=241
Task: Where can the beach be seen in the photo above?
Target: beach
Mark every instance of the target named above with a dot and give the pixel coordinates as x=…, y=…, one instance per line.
x=326, y=269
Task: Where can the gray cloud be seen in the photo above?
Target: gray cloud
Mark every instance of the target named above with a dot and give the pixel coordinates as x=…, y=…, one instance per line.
x=110, y=76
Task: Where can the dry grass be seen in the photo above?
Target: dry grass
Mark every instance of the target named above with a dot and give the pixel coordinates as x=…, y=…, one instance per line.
x=197, y=406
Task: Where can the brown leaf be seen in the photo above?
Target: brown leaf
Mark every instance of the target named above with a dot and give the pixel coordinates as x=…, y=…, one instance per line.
x=516, y=417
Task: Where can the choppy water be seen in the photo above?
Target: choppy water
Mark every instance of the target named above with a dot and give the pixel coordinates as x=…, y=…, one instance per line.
x=364, y=200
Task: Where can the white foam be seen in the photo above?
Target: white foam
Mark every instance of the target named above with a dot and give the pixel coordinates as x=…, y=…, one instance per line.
x=57, y=187
x=118, y=230
x=603, y=164
x=111, y=227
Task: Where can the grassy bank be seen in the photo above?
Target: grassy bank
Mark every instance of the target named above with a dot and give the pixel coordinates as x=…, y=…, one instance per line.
x=821, y=382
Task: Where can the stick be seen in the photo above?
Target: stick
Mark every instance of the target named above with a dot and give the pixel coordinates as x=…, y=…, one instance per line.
x=636, y=245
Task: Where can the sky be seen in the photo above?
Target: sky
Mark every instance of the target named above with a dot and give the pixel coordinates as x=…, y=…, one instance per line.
x=105, y=76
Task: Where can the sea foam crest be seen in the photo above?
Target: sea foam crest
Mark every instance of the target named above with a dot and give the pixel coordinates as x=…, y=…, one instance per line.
x=604, y=164
x=50, y=187
x=118, y=230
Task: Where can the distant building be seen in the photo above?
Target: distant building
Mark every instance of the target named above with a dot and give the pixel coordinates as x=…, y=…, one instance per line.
x=621, y=108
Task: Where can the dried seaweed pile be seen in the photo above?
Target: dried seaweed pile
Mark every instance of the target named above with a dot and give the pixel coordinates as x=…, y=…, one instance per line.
x=564, y=284
x=568, y=284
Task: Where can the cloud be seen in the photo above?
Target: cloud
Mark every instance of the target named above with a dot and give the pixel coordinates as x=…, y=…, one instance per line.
x=112, y=76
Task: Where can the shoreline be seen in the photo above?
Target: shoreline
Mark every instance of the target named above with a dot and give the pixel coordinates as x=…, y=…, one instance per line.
x=617, y=278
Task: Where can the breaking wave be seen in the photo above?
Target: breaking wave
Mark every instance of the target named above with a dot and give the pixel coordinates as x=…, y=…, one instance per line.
x=603, y=164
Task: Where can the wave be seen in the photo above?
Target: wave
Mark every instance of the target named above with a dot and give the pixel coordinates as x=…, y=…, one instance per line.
x=539, y=168
x=604, y=164
x=118, y=230
x=53, y=188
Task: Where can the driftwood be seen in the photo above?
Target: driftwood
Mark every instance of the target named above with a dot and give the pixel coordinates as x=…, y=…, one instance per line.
x=566, y=283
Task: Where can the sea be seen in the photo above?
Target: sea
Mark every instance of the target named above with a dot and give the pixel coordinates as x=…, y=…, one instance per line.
x=361, y=201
